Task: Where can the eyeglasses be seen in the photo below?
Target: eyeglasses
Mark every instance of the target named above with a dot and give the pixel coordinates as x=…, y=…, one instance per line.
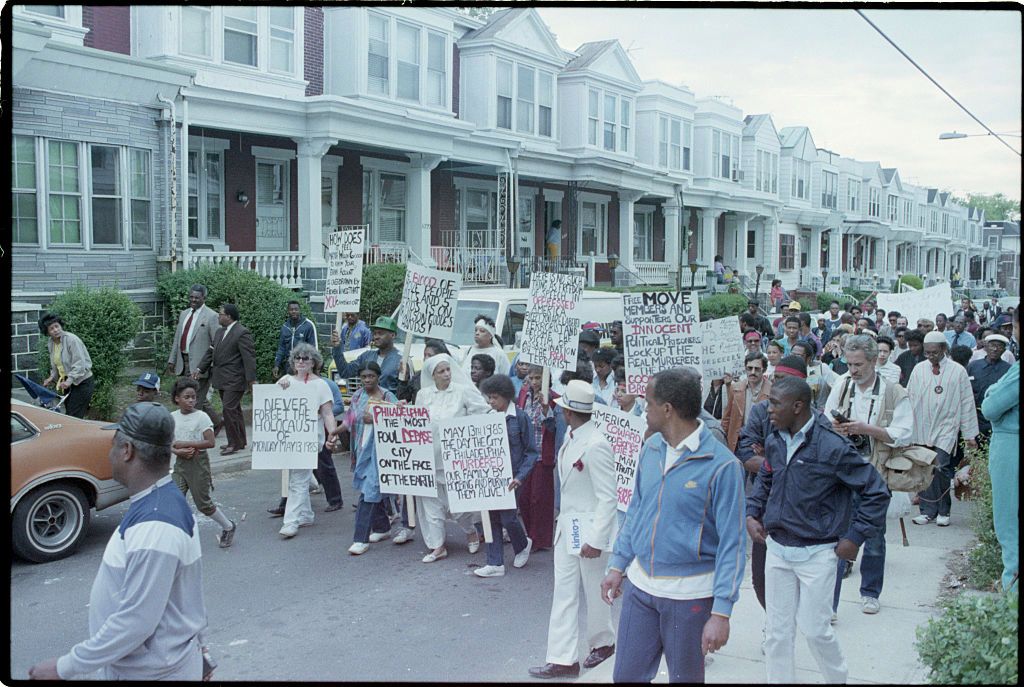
x=753, y=368
x=305, y=358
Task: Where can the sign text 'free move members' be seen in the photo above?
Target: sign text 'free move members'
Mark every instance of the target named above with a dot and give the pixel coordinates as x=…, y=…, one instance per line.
x=660, y=331
x=477, y=463
x=284, y=423
x=405, y=450
x=428, y=302
x=550, y=332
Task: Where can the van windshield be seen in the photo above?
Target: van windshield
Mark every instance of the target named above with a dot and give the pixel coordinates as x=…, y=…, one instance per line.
x=466, y=313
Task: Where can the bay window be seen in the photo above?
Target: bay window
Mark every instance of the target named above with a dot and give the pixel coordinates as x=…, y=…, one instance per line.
x=610, y=119
x=853, y=195
x=532, y=91
x=829, y=183
x=800, y=182
x=437, y=72
x=24, y=214
x=282, y=39
x=241, y=35
x=408, y=61
x=625, y=125
x=891, y=207
x=504, y=89
x=874, y=202
x=265, y=38
x=725, y=155
x=594, y=97
x=524, y=99
x=545, y=103
x=378, y=55
x=767, y=177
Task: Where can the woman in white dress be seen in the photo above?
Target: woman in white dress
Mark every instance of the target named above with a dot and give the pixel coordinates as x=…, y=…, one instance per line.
x=447, y=392
x=485, y=341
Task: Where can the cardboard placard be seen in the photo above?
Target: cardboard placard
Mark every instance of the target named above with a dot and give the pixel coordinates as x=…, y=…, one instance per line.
x=405, y=450
x=551, y=332
x=477, y=463
x=344, y=269
x=660, y=332
x=284, y=422
x=428, y=302
x=625, y=432
x=722, y=348
x=914, y=305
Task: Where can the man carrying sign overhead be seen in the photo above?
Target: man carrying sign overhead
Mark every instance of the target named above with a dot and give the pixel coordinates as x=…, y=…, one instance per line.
x=384, y=354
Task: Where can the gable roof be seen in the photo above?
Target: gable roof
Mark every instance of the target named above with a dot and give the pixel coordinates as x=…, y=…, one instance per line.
x=932, y=193
x=753, y=124
x=608, y=54
x=888, y=173
x=945, y=197
x=511, y=25
x=799, y=137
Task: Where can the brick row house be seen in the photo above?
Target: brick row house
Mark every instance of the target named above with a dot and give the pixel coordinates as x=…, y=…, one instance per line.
x=148, y=135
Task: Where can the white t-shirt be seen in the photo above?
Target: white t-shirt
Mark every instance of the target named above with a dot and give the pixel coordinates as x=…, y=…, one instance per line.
x=192, y=426
x=321, y=394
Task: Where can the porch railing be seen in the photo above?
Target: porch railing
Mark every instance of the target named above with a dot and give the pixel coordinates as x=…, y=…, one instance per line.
x=282, y=267
x=477, y=265
x=653, y=273
x=386, y=253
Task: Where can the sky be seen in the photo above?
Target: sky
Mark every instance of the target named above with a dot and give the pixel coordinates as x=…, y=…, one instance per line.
x=830, y=71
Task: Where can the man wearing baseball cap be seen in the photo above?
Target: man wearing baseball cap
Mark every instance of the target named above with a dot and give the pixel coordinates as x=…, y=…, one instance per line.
x=384, y=353
x=147, y=387
x=146, y=608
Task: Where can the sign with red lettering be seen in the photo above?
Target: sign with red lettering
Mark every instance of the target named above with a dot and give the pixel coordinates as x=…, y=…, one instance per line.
x=405, y=450
x=625, y=432
x=428, y=302
x=551, y=332
x=477, y=463
x=344, y=269
x=660, y=331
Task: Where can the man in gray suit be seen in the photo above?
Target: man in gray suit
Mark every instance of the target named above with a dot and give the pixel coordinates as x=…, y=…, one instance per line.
x=192, y=338
x=232, y=358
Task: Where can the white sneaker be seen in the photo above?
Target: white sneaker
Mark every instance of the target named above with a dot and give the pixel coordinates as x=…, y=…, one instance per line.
x=869, y=605
x=474, y=546
x=289, y=531
x=524, y=555
x=942, y=521
x=922, y=520
x=490, y=571
x=379, y=536
x=358, y=548
x=404, y=535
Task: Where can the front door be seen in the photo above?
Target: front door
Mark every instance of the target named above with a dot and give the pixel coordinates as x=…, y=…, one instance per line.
x=271, y=205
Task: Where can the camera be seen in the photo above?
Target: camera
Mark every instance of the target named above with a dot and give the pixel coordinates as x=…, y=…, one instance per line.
x=859, y=441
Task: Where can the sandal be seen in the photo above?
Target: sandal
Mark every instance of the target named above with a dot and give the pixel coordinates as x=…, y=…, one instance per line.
x=431, y=557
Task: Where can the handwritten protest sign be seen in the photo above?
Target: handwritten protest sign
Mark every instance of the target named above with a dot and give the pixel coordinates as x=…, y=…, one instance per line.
x=344, y=269
x=722, y=348
x=284, y=425
x=660, y=331
x=428, y=302
x=477, y=463
x=625, y=432
x=405, y=450
x=550, y=331
x=914, y=305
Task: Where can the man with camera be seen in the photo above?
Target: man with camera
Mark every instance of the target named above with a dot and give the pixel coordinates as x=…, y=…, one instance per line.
x=875, y=415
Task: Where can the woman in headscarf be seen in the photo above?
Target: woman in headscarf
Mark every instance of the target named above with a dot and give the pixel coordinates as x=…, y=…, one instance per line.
x=370, y=513
x=536, y=497
x=447, y=392
x=485, y=340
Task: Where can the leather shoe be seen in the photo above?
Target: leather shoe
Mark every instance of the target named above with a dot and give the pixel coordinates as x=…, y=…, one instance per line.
x=276, y=511
x=552, y=670
x=331, y=509
x=228, y=450
x=598, y=656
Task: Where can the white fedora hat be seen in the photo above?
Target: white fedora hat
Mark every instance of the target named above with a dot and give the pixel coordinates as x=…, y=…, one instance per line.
x=578, y=397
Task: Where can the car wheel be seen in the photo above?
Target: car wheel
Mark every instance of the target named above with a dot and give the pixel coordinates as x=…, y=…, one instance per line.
x=50, y=522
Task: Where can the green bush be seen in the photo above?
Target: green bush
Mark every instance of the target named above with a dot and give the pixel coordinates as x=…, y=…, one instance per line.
x=912, y=280
x=973, y=642
x=985, y=560
x=106, y=320
x=382, y=290
x=262, y=304
x=857, y=295
x=722, y=305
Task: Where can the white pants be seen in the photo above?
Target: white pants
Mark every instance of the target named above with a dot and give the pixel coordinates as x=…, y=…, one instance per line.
x=432, y=514
x=799, y=594
x=298, y=510
x=572, y=572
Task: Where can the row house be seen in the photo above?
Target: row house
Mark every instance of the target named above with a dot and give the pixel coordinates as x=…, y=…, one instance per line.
x=147, y=136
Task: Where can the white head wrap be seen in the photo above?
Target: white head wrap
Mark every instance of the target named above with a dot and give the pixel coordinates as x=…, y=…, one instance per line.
x=459, y=376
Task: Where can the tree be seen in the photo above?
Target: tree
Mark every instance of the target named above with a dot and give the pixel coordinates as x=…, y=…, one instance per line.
x=996, y=206
x=483, y=13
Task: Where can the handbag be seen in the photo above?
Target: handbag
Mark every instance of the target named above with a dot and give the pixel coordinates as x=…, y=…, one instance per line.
x=909, y=468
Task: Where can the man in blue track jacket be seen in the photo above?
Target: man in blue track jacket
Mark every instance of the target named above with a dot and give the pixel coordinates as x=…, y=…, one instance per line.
x=683, y=542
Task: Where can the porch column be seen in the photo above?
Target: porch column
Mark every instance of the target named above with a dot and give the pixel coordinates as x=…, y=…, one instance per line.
x=884, y=272
x=672, y=209
x=627, y=203
x=814, y=259
x=770, y=246
x=835, y=254
x=708, y=236
x=742, y=227
x=310, y=160
x=418, y=203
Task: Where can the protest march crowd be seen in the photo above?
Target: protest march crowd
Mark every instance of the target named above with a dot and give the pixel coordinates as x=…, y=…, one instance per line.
x=643, y=452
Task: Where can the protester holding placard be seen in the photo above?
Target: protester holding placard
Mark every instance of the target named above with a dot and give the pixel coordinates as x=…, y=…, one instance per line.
x=447, y=392
x=384, y=354
x=485, y=341
x=304, y=360
x=522, y=446
x=536, y=497
x=370, y=513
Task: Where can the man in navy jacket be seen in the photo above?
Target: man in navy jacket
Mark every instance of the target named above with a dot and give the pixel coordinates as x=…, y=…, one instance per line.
x=296, y=329
x=802, y=507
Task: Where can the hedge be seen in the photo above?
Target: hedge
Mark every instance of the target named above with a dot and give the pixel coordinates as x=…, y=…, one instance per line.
x=382, y=290
x=985, y=560
x=912, y=280
x=973, y=642
x=106, y=320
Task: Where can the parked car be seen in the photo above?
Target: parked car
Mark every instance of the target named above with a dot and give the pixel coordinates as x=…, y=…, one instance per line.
x=59, y=472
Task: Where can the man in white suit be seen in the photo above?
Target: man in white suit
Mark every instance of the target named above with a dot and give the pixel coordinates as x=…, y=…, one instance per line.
x=583, y=536
x=192, y=338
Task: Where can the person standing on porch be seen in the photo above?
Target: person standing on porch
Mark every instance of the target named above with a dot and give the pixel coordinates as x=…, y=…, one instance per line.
x=192, y=338
x=553, y=239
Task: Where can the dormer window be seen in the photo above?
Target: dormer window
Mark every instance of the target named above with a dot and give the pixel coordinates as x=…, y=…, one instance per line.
x=675, y=141
x=891, y=207
x=261, y=38
x=612, y=116
x=853, y=195
x=377, y=57
x=829, y=184
x=800, y=182
x=767, y=172
x=533, y=92
x=282, y=39
x=406, y=62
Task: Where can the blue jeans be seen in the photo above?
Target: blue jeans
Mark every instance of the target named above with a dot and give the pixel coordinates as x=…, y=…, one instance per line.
x=936, y=499
x=370, y=516
x=510, y=521
x=650, y=626
x=872, y=565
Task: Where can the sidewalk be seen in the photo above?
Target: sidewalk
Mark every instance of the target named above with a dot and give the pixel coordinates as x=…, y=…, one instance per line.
x=878, y=648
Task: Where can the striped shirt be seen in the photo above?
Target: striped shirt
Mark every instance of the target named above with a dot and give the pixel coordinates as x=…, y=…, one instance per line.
x=146, y=608
x=939, y=416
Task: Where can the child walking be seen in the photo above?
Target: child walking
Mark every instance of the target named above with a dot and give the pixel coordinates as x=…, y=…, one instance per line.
x=500, y=392
x=193, y=434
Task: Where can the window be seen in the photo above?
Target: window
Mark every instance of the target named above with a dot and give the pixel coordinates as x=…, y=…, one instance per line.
x=24, y=219
x=594, y=97
x=205, y=195
x=610, y=119
x=945, y=223
x=65, y=199
x=524, y=99
x=437, y=61
x=504, y=85
x=687, y=145
x=891, y=206
x=787, y=252
x=593, y=236
x=625, y=123
x=408, y=58
x=935, y=221
x=140, y=188
x=106, y=195
x=800, y=179
x=829, y=185
x=670, y=144
x=479, y=218
x=384, y=206
x=545, y=103
x=907, y=214
x=643, y=236
x=922, y=213
x=767, y=172
x=874, y=202
x=725, y=155
x=853, y=194
x=240, y=35
x=282, y=39
x=47, y=10
x=195, y=31
x=378, y=68
x=751, y=243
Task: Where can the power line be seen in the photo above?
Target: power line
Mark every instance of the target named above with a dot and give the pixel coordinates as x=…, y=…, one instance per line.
x=937, y=84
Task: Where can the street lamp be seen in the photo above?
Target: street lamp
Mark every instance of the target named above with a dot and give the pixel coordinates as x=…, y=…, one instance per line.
x=513, y=267
x=693, y=274
x=613, y=262
x=899, y=278
x=949, y=135
x=757, y=284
